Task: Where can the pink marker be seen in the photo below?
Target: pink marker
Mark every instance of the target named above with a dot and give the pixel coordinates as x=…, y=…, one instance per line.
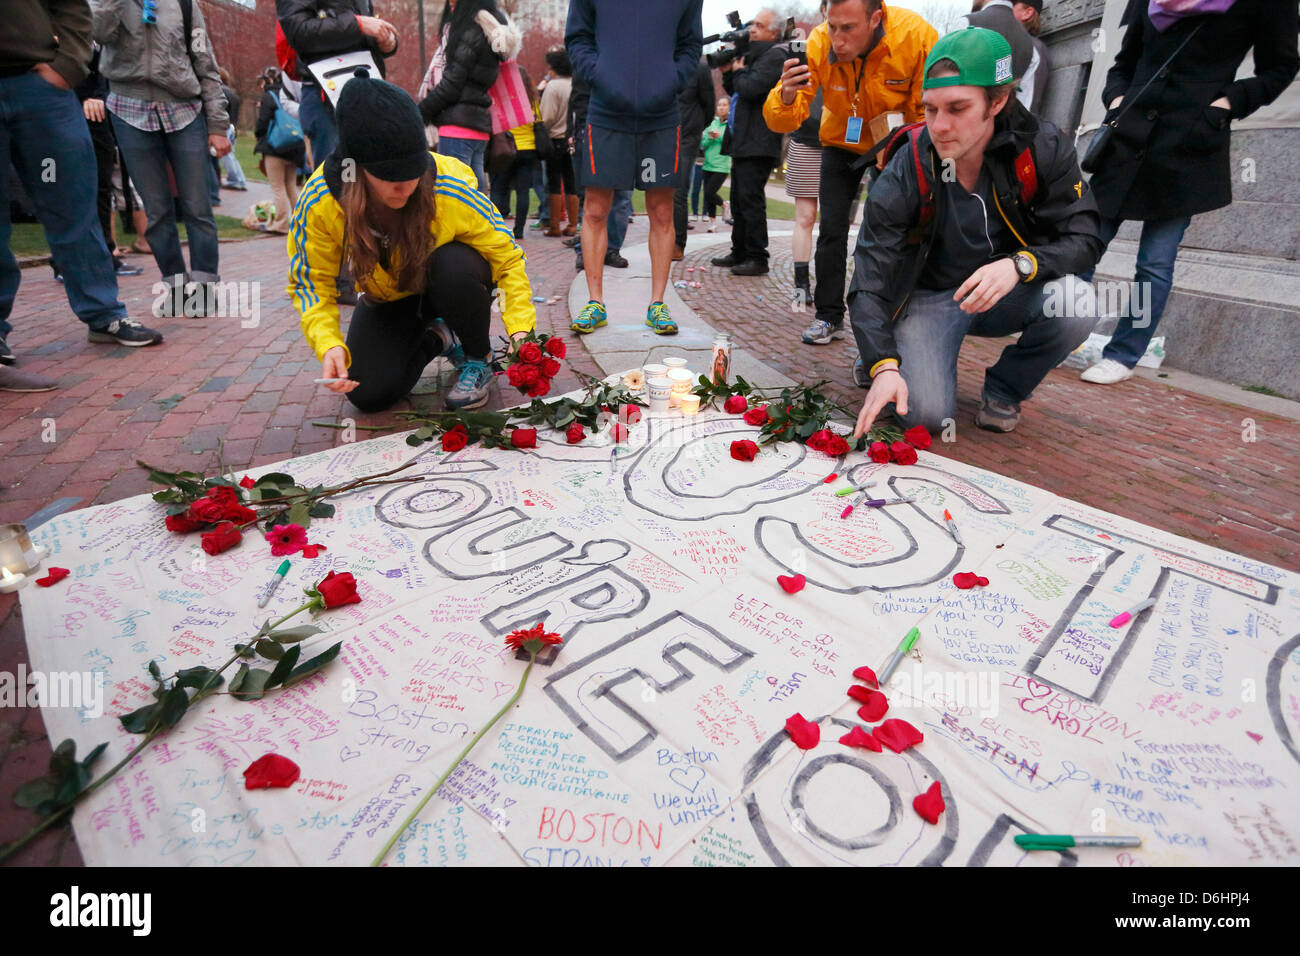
x=1119, y=620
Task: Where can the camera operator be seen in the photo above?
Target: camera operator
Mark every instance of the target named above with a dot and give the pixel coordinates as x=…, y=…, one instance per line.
x=868, y=60
x=755, y=149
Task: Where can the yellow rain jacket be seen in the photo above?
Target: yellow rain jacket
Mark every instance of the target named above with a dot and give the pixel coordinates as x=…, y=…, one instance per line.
x=890, y=81
x=463, y=214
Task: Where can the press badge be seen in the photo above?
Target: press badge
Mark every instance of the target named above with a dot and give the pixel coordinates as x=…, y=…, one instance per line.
x=853, y=132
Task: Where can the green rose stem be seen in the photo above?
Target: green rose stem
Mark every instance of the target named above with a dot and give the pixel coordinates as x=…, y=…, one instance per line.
x=207, y=689
x=532, y=656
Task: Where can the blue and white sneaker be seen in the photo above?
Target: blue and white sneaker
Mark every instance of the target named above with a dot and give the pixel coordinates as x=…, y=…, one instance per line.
x=820, y=332
x=449, y=346
x=472, y=387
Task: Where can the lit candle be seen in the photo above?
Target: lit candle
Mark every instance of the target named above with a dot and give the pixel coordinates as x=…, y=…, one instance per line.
x=690, y=404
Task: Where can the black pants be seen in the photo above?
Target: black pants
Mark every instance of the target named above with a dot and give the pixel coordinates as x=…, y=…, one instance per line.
x=749, y=208
x=519, y=178
x=712, y=183
x=559, y=169
x=391, y=342
x=690, y=148
x=839, y=186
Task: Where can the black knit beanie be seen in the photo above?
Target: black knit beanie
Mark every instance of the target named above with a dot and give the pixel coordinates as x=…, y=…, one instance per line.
x=380, y=128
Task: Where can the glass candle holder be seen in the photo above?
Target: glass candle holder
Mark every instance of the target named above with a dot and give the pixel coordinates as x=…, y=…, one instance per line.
x=690, y=404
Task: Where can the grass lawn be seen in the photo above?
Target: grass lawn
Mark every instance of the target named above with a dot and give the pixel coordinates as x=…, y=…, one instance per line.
x=28, y=238
x=775, y=208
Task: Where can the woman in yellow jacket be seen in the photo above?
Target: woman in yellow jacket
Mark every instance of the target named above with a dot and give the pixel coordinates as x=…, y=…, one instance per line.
x=426, y=248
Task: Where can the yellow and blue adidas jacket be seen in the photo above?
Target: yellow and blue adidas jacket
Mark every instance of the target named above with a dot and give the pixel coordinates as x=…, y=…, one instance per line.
x=463, y=214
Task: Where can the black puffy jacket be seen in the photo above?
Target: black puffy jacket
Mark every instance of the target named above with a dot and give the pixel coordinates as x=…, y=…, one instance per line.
x=1058, y=224
x=320, y=28
x=750, y=134
x=461, y=96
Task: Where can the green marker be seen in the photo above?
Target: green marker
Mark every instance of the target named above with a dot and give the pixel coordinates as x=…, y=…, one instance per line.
x=1051, y=841
x=844, y=492
x=903, y=648
x=280, y=572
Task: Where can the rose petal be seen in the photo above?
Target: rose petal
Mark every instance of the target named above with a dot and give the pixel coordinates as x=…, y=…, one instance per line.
x=53, y=576
x=271, y=770
x=246, y=482
x=804, y=733
x=857, y=737
x=312, y=550
x=859, y=693
x=966, y=580
x=865, y=673
x=929, y=804
x=983, y=582
x=791, y=585
x=829, y=478
x=874, y=707
x=898, y=735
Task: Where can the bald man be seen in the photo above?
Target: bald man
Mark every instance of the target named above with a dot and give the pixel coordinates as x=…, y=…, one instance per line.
x=755, y=149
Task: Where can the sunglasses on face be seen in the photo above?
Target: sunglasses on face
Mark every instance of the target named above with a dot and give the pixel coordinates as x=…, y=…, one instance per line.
x=149, y=12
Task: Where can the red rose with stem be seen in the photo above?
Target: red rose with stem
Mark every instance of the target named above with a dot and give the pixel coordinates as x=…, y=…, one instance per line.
x=555, y=346
x=524, y=438
x=735, y=405
x=902, y=453
x=879, y=452
x=575, y=433
x=530, y=352
x=542, y=387
x=836, y=446
x=456, y=439
x=550, y=367
x=221, y=538
x=743, y=450
x=182, y=523
x=334, y=590
x=818, y=440
x=918, y=437
x=531, y=640
x=757, y=416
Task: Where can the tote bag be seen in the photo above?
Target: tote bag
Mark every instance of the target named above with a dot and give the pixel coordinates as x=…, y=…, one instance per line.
x=284, y=132
x=511, y=104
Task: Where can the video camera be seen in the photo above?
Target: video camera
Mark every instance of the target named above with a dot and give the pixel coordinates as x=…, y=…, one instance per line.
x=736, y=40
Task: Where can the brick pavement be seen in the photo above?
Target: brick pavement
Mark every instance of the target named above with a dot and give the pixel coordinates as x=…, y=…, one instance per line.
x=1165, y=457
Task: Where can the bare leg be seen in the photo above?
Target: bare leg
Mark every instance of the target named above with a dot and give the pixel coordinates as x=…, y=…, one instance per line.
x=595, y=241
x=659, y=207
x=805, y=215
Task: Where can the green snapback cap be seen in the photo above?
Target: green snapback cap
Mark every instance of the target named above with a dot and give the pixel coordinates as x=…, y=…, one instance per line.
x=983, y=58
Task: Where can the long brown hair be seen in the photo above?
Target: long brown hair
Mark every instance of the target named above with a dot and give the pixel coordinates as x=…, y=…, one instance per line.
x=412, y=246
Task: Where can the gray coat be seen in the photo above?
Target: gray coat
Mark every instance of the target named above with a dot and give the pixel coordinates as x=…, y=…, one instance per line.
x=149, y=62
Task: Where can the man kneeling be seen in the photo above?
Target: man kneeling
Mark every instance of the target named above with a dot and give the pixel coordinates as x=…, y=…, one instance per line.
x=972, y=216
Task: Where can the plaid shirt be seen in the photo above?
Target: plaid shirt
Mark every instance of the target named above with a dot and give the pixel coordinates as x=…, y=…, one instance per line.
x=152, y=117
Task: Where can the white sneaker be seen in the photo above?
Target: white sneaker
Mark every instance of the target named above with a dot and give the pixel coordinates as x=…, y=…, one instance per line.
x=713, y=225
x=1107, y=372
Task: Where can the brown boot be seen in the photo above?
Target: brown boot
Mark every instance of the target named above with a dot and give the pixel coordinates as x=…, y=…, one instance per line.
x=572, y=228
x=557, y=213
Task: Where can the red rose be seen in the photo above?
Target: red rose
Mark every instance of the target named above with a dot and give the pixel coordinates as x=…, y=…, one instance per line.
x=756, y=415
x=530, y=352
x=836, y=446
x=629, y=414
x=338, y=589
x=224, y=493
x=541, y=388
x=524, y=438
x=918, y=437
x=550, y=367
x=575, y=434
x=555, y=345
x=618, y=432
x=239, y=515
x=529, y=375
x=182, y=523
x=743, y=450
x=207, y=511
x=455, y=440
x=271, y=770
x=513, y=376
x=735, y=405
x=902, y=453
x=221, y=538
x=879, y=452
x=817, y=440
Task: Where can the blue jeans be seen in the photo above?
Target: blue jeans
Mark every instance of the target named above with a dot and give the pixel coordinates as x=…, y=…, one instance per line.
x=1157, y=250
x=44, y=130
x=929, y=337
x=471, y=152
x=697, y=189
x=620, y=210
x=147, y=156
x=234, y=172
x=318, y=124
x=540, y=191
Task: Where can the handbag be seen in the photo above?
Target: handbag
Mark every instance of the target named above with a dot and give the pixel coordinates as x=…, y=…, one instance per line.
x=501, y=153
x=511, y=104
x=1094, y=156
x=542, y=141
x=285, y=132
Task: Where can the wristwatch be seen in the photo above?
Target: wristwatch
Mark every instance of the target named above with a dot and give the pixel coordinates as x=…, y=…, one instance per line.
x=1025, y=266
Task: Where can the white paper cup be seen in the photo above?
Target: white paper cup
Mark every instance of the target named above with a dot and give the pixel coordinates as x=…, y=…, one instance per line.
x=657, y=392
x=675, y=361
x=654, y=370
